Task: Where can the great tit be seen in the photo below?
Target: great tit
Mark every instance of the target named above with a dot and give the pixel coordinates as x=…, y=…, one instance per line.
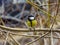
x=31, y=22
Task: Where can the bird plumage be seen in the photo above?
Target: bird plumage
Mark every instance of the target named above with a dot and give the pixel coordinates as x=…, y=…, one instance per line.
x=32, y=23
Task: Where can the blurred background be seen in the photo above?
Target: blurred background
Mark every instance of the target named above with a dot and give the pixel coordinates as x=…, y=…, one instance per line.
x=13, y=17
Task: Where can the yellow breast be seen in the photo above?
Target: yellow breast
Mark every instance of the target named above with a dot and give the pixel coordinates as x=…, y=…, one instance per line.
x=34, y=23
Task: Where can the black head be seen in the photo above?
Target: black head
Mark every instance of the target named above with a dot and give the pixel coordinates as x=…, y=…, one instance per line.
x=31, y=17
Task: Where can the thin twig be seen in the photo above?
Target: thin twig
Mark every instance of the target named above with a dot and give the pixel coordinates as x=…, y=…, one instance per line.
x=16, y=43
x=6, y=38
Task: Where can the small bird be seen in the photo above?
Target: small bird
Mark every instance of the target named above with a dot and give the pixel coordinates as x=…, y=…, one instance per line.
x=31, y=22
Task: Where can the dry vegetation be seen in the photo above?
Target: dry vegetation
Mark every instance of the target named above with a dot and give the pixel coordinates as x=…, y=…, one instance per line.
x=47, y=15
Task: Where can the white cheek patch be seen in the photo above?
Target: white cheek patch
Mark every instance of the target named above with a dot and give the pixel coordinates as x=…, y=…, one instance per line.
x=32, y=18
